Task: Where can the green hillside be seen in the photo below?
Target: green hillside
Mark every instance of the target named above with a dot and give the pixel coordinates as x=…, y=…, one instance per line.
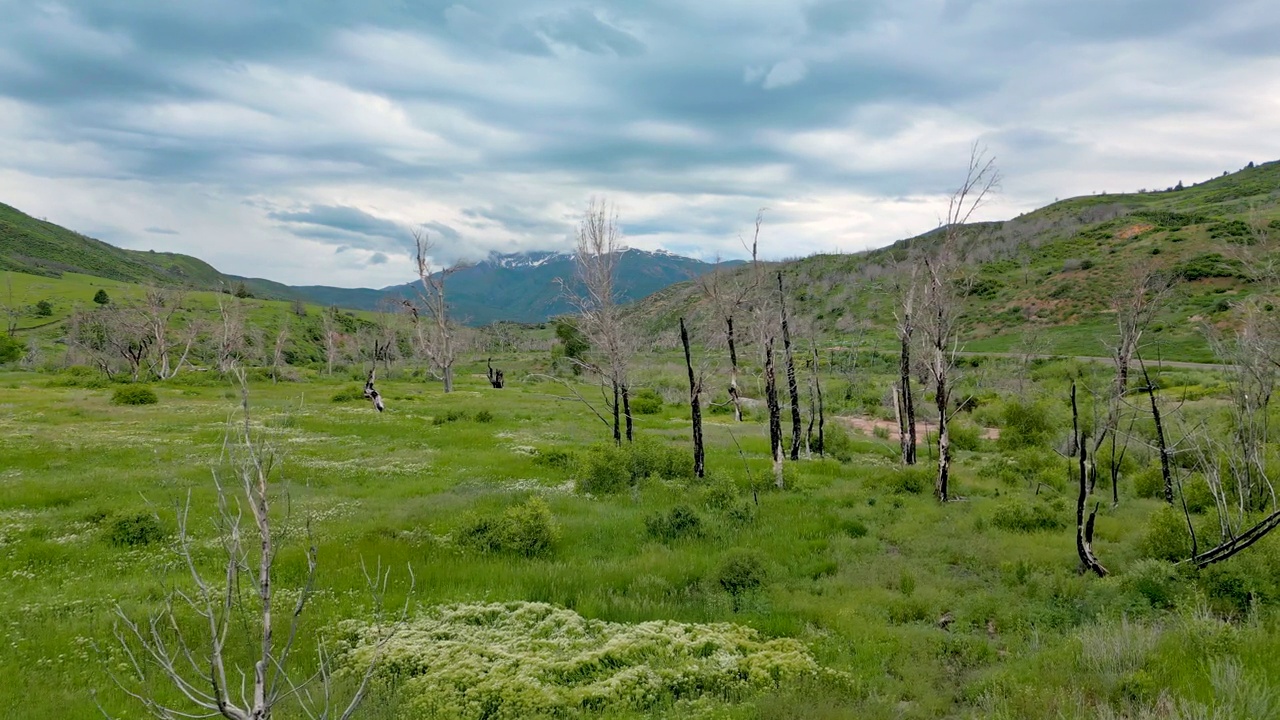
x=1047, y=277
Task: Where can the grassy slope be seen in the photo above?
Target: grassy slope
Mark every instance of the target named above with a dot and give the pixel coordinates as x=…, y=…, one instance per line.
x=1028, y=270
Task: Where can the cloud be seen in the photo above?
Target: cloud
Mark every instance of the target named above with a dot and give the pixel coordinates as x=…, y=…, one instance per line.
x=378, y=258
x=269, y=139
x=787, y=72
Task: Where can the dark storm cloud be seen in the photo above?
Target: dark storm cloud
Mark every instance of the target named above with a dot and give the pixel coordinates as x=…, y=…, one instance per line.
x=339, y=224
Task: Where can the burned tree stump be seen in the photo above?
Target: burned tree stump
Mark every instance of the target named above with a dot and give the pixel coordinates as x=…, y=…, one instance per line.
x=695, y=406
x=496, y=379
x=1084, y=528
x=371, y=394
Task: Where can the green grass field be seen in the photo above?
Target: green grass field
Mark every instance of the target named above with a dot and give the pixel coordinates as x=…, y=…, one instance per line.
x=893, y=605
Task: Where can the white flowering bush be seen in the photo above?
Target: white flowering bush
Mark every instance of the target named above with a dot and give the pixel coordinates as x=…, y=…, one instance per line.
x=523, y=659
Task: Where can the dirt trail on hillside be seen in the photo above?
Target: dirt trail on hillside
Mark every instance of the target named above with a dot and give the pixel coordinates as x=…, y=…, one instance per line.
x=867, y=426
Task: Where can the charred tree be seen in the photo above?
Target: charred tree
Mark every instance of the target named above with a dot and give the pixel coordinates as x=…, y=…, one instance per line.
x=792, y=389
x=903, y=396
x=1084, y=527
x=496, y=379
x=1166, y=473
x=370, y=393
x=695, y=405
x=734, y=396
x=815, y=406
x=775, y=412
x=626, y=411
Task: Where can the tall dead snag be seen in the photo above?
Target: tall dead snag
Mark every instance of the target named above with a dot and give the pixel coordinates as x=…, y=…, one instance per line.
x=815, y=405
x=594, y=295
x=496, y=378
x=695, y=405
x=792, y=389
x=775, y=412
x=727, y=299
x=434, y=332
x=1084, y=528
x=903, y=400
x=1140, y=298
x=235, y=612
x=943, y=302
x=1162, y=445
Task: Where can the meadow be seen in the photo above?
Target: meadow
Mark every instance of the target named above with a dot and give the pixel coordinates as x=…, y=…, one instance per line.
x=554, y=575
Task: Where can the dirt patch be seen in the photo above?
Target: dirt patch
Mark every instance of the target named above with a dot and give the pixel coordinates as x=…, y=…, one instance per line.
x=867, y=426
x=1134, y=230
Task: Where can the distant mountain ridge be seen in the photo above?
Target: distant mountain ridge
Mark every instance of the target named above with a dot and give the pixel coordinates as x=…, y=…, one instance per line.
x=519, y=287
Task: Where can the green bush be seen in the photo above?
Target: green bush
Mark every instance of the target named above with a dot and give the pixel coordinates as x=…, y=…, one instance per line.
x=740, y=573
x=484, y=416
x=11, y=349
x=450, y=416
x=1149, y=482
x=134, y=395
x=837, y=443
x=607, y=469
x=135, y=530
x=1167, y=536
x=528, y=530
x=965, y=435
x=348, y=395
x=1197, y=495
x=1154, y=581
x=680, y=522
x=913, y=480
x=1028, y=517
x=646, y=401
x=1024, y=424
x=557, y=458
x=44, y=308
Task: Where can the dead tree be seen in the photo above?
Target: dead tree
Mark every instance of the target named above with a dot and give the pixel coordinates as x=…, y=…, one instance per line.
x=199, y=661
x=695, y=405
x=328, y=327
x=1140, y=298
x=728, y=299
x=775, y=412
x=277, y=352
x=496, y=377
x=158, y=308
x=1162, y=444
x=594, y=295
x=434, y=333
x=942, y=300
x=370, y=393
x=792, y=389
x=904, y=401
x=232, y=335
x=815, y=405
x=1084, y=528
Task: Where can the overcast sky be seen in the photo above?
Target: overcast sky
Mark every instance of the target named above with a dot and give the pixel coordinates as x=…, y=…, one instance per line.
x=300, y=140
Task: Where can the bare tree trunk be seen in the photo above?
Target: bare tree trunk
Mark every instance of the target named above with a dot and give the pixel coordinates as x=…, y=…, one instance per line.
x=626, y=410
x=906, y=409
x=792, y=389
x=942, y=484
x=816, y=408
x=734, y=397
x=1166, y=473
x=695, y=405
x=496, y=379
x=617, y=423
x=775, y=412
x=1084, y=528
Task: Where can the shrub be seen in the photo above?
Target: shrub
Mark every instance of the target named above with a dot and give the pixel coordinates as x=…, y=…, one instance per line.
x=484, y=416
x=603, y=471
x=680, y=522
x=135, y=530
x=837, y=443
x=134, y=395
x=11, y=349
x=1024, y=424
x=1027, y=517
x=913, y=480
x=646, y=401
x=1196, y=494
x=101, y=297
x=609, y=469
x=449, y=417
x=1155, y=582
x=348, y=395
x=557, y=458
x=741, y=572
x=527, y=530
x=1149, y=482
x=1167, y=536
x=44, y=308
x=965, y=435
